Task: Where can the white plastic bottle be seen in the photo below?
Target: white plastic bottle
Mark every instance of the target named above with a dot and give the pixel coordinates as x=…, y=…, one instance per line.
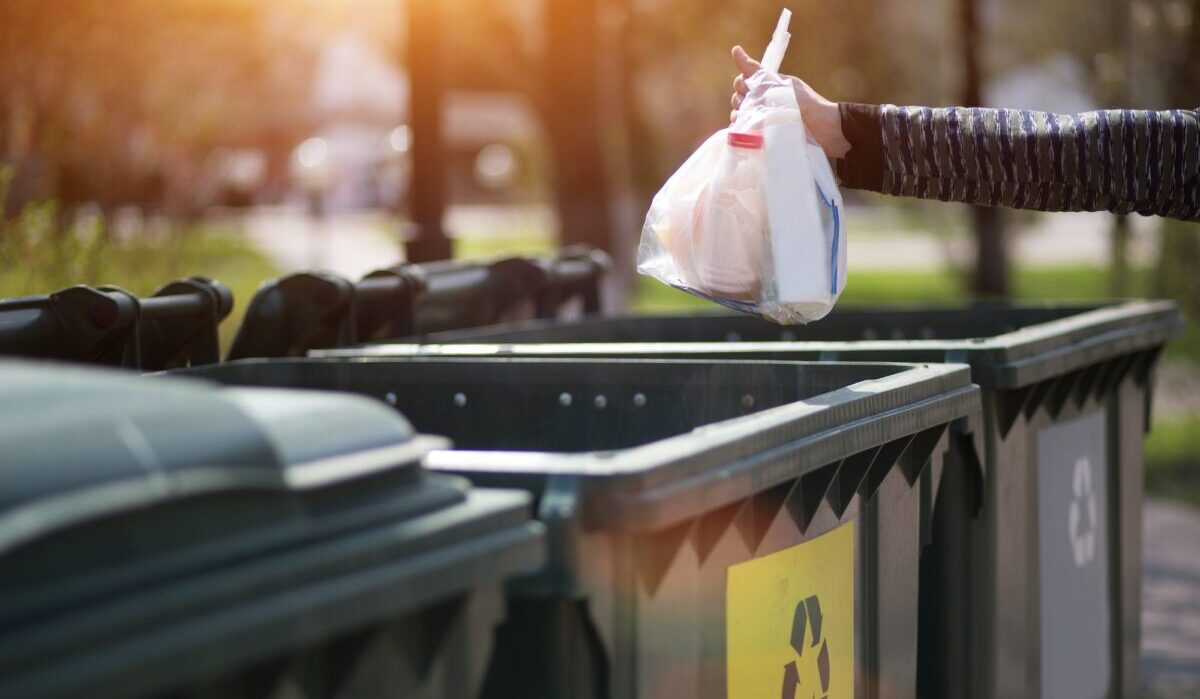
x=731, y=258
x=732, y=243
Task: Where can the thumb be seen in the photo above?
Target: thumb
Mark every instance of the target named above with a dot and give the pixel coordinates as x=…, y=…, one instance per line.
x=748, y=66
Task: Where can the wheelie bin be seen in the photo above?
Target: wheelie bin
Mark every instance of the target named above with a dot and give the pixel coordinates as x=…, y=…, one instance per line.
x=170, y=538
x=1035, y=572
x=739, y=529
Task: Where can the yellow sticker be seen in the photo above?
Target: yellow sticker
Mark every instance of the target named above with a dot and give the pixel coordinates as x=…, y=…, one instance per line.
x=789, y=621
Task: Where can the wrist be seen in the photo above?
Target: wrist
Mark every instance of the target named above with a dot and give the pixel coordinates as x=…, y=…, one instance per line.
x=824, y=120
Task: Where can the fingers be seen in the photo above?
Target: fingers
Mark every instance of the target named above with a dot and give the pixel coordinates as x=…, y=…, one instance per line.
x=733, y=116
x=748, y=66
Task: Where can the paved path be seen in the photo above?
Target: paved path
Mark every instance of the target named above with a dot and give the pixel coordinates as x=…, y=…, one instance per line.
x=1171, y=601
x=350, y=244
x=1061, y=239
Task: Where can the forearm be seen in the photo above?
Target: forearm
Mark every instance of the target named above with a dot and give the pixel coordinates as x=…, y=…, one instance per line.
x=1116, y=160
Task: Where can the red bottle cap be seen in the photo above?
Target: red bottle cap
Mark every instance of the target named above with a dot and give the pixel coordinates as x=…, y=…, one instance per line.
x=748, y=139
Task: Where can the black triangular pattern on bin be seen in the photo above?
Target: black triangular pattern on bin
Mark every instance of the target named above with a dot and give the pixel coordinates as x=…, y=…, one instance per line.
x=1123, y=365
x=963, y=445
x=340, y=657
x=1061, y=392
x=1119, y=369
x=256, y=681
x=806, y=498
x=916, y=457
x=850, y=476
x=1009, y=404
x=293, y=685
x=755, y=519
x=711, y=526
x=1053, y=389
x=1037, y=396
x=1138, y=366
x=1145, y=365
x=1103, y=374
x=887, y=459
x=657, y=551
x=433, y=625
x=1083, y=387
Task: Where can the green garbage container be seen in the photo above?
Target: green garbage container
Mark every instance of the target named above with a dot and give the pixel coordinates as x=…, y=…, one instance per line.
x=1034, y=578
x=169, y=538
x=716, y=529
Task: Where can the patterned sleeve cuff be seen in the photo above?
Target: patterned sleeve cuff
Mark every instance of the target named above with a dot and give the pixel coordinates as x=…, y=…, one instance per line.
x=862, y=168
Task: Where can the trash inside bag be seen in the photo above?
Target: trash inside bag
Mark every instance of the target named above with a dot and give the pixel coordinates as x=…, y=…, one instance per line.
x=753, y=219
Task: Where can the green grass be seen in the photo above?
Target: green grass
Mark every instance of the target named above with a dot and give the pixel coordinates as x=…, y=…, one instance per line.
x=934, y=286
x=141, y=264
x=946, y=286
x=1173, y=459
x=485, y=247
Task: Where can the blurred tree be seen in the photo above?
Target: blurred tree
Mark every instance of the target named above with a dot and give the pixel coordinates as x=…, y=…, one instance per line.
x=991, y=252
x=1137, y=53
x=105, y=98
x=1179, y=244
x=548, y=51
x=571, y=108
x=426, y=67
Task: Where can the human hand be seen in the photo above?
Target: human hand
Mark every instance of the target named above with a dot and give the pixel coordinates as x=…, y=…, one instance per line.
x=821, y=117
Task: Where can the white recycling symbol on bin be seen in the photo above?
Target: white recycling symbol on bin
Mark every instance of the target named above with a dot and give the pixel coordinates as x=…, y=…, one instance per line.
x=1082, y=514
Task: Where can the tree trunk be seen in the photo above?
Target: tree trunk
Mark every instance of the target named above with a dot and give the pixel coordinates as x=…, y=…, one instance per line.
x=1179, y=246
x=427, y=188
x=990, y=276
x=1120, y=257
x=571, y=107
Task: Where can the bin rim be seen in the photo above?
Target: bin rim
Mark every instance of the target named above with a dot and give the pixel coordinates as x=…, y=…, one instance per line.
x=1012, y=359
x=652, y=485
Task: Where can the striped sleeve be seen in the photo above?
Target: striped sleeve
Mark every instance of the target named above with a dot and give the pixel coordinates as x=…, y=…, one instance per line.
x=1117, y=160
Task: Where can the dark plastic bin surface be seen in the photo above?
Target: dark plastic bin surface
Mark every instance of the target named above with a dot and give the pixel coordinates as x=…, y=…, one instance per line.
x=656, y=478
x=159, y=537
x=1064, y=385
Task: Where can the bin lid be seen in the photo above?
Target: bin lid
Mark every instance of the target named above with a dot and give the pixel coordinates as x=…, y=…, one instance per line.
x=158, y=532
x=104, y=470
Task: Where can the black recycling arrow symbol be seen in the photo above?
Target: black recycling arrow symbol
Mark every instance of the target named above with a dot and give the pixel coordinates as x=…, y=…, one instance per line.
x=806, y=624
x=791, y=681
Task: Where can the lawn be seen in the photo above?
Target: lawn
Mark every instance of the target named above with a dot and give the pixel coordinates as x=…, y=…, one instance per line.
x=1172, y=463
x=933, y=286
x=943, y=286
x=41, y=259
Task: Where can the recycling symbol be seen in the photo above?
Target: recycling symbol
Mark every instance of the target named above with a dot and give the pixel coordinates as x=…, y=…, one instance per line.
x=1081, y=518
x=806, y=638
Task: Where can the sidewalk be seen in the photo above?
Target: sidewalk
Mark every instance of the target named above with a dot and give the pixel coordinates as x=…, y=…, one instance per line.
x=1171, y=601
x=349, y=244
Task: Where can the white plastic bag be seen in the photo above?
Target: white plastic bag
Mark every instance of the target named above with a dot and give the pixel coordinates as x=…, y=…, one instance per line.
x=753, y=219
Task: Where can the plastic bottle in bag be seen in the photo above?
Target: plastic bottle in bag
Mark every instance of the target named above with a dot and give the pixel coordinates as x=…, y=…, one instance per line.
x=734, y=244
